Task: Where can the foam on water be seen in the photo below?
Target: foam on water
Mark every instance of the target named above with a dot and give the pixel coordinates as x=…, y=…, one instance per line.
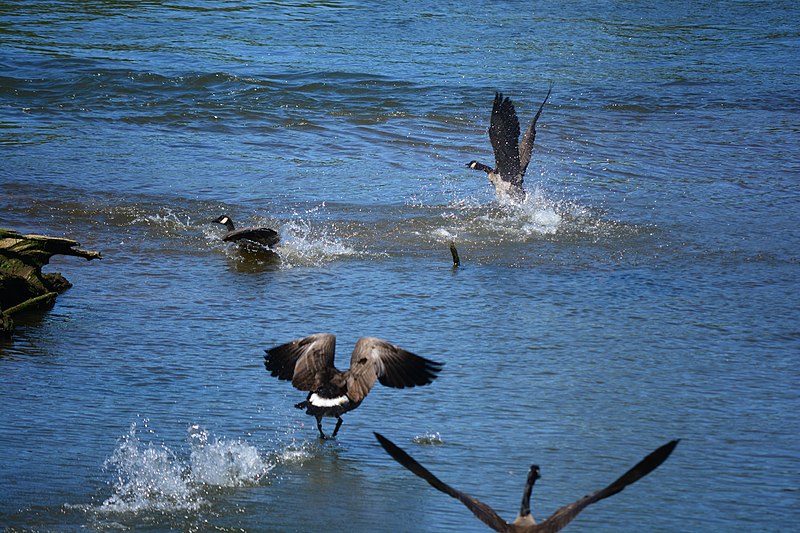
x=152, y=477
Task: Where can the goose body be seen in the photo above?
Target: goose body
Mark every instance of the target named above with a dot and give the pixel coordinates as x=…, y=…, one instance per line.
x=511, y=155
x=267, y=237
x=308, y=364
x=524, y=523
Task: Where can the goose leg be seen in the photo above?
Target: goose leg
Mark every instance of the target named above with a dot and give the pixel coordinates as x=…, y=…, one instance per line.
x=338, y=425
x=319, y=427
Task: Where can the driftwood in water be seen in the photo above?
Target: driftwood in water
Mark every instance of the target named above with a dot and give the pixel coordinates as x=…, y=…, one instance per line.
x=22, y=283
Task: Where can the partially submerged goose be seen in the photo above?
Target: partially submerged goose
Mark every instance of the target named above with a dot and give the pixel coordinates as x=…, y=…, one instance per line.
x=267, y=237
x=308, y=364
x=510, y=155
x=524, y=523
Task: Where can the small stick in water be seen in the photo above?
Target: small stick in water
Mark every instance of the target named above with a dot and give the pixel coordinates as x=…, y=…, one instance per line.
x=454, y=253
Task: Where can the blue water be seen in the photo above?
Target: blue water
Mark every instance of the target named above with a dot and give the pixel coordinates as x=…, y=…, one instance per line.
x=646, y=290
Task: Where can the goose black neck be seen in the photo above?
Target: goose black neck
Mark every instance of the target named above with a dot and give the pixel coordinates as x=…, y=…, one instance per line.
x=480, y=166
x=525, y=505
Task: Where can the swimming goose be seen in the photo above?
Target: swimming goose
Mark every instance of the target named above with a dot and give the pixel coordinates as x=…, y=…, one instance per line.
x=511, y=157
x=524, y=523
x=264, y=236
x=308, y=363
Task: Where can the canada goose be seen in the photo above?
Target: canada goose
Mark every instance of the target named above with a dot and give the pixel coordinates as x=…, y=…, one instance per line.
x=524, y=521
x=511, y=157
x=308, y=363
x=264, y=236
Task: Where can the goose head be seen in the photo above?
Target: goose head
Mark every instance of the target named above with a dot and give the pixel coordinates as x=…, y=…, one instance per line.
x=226, y=221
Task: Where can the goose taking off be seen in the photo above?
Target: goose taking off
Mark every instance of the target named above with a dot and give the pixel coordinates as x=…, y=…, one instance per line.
x=264, y=236
x=511, y=157
x=524, y=522
x=308, y=364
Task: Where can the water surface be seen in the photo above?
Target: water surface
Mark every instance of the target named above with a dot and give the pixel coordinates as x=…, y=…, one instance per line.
x=643, y=292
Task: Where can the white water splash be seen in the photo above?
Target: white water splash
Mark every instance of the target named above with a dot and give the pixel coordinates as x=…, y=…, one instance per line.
x=504, y=219
x=539, y=214
x=152, y=477
x=224, y=463
x=148, y=477
x=296, y=453
x=431, y=437
x=167, y=221
x=306, y=243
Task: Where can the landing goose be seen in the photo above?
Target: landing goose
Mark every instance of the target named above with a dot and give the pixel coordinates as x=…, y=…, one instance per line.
x=510, y=155
x=524, y=523
x=308, y=364
x=264, y=236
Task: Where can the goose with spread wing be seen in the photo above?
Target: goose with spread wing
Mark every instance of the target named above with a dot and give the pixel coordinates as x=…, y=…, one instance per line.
x=510, y=155
x=308, y=364
x=524, y=523
x=266, y=237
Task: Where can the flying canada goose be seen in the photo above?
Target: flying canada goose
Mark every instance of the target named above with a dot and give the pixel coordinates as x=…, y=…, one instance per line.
x=510, y=156
x=308, y=363
x=524, y=523
x=264, y=236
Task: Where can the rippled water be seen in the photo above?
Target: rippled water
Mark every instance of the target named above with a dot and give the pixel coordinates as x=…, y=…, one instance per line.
x=644, y=291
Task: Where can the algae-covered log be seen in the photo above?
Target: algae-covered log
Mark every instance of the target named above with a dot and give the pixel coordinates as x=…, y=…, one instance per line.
x=22, y=283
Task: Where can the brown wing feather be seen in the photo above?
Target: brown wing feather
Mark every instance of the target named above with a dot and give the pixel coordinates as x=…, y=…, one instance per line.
x=504, y=135
x=526, y=146
x=567, y=513
x=303, y=361
x=483, y=512
x=375, y=359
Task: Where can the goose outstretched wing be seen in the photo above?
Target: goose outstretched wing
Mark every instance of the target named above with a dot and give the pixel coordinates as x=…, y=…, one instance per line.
x=567, y=513
x=375, y=359
x=526, y=146
x=304, y=362
x=483, y=512
x=504, y=135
